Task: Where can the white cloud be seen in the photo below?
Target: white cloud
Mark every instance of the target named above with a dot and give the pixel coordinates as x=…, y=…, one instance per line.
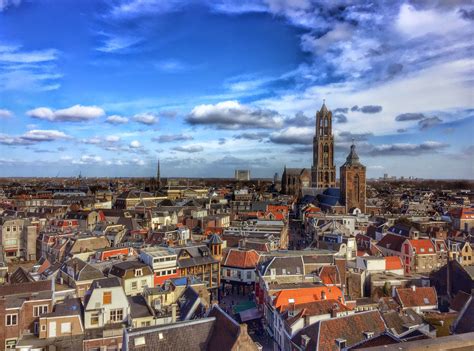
x=5, y=113
x=88, y=159
x=114, y=43
x=233, y=115
x=414, y=93
x=44, y=135
x=135, y=144
x=340, y=33
x=415, y=23
x=146, y=118
x=12, y=54
x=76, y=113
x=116, y=119
x=293, y=135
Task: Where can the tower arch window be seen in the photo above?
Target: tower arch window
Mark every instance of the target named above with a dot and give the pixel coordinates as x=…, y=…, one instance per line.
x=326, y=177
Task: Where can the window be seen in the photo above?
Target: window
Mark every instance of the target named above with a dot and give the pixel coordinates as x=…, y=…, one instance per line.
x=11, y=319
x=65, y=328
x=40, y=310
x=116, y=315
x=249, y=275
x=134, y=285
x=43, y=327
x=107, y=298
x=138, y=272
x=10, y=344
x=94, y=318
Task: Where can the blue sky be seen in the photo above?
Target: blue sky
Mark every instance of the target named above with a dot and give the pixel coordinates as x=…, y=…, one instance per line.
x=107, y=87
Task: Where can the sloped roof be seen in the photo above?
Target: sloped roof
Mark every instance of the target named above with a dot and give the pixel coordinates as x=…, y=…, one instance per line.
x=323, y=335
x=423, y=246
x=329, y=275
x=393, y=262
x=417, y=296
x=241, y=259
x=392, y=242
x=226, y=331
x=284, y=298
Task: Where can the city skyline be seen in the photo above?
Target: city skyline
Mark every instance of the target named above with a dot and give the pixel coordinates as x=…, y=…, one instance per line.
x=106, y=88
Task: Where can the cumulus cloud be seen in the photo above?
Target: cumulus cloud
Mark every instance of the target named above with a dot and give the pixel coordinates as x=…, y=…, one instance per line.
x=5, y=113
x=189, y=148
x=408, y=149
x=429, y=122
x=135, y=144
x=116, y=119
x=409, y=117
x=252, y=136
x=88, y=159
x=300, y=120
x=293, y=135
x=169, y=138
x=146, y=118
x=340, y=118
x=76, y=113
x=233, y=115
x=33, y=136
x=340, y=32
x=341, y=110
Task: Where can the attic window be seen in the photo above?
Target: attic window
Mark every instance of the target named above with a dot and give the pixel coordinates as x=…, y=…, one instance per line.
x=426, y=301
x=422, y=250
x=368, y=334
x=341, y=343
x=138, y=272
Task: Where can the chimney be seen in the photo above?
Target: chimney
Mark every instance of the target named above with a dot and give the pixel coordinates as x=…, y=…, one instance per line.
x=413, y=287
x=305, y=339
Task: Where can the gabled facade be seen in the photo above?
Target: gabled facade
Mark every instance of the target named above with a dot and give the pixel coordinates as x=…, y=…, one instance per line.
x=105, y=304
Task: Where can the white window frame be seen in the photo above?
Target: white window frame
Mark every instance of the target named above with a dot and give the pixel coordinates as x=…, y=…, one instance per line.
x=66, y=327
x=39, y=310
x=10, y=316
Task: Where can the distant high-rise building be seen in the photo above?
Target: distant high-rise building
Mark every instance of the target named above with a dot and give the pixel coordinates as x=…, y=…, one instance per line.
x=323, y=171
x=158, y=175
x=242, y=174
x=275, y=178
x=385, y=176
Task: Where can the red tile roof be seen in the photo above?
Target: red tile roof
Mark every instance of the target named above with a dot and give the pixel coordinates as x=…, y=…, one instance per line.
x=422, y=246
x=329, y=275
x=417, y=297
x=392, y=242
x=305, y=295
x=241, y=259
x=393, y=262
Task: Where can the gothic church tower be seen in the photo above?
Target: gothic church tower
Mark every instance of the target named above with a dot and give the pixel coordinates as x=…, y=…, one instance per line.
x=323, y=171
x=353, y=182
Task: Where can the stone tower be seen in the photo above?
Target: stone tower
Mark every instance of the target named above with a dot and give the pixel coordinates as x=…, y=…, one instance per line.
x=323, y=171
x=353, y=182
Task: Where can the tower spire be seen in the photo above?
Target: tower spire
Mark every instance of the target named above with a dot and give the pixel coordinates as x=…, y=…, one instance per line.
x=158, y=176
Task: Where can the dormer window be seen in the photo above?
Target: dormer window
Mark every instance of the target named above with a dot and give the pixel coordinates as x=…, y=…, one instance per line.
x=138, y=272
x=341, y=343
x=369, y=334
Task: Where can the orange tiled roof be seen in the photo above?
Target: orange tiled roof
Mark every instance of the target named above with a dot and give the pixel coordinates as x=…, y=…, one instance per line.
x=242, y=259
x=393, y=262
x=422, y=246
x=329, y=275
x=305, y=295
x=409, y=297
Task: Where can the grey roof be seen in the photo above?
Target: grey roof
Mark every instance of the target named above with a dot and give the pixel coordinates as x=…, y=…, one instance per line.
x=190, y=336
x=352, y=159
x=199, y=255
x=284, y=265
x=138, y=307
x=215, y=239
x=111, y=282
x=187, y=303
x=69, y=307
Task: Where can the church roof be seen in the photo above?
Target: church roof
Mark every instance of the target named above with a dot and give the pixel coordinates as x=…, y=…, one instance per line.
x=294, y=171
x=352, y=159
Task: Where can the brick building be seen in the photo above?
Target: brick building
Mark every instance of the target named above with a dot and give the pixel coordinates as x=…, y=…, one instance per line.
x=353, y=183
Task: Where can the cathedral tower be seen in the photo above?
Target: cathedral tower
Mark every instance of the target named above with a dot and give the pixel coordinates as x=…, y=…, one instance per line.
x=323, y=169
x=353, y=182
